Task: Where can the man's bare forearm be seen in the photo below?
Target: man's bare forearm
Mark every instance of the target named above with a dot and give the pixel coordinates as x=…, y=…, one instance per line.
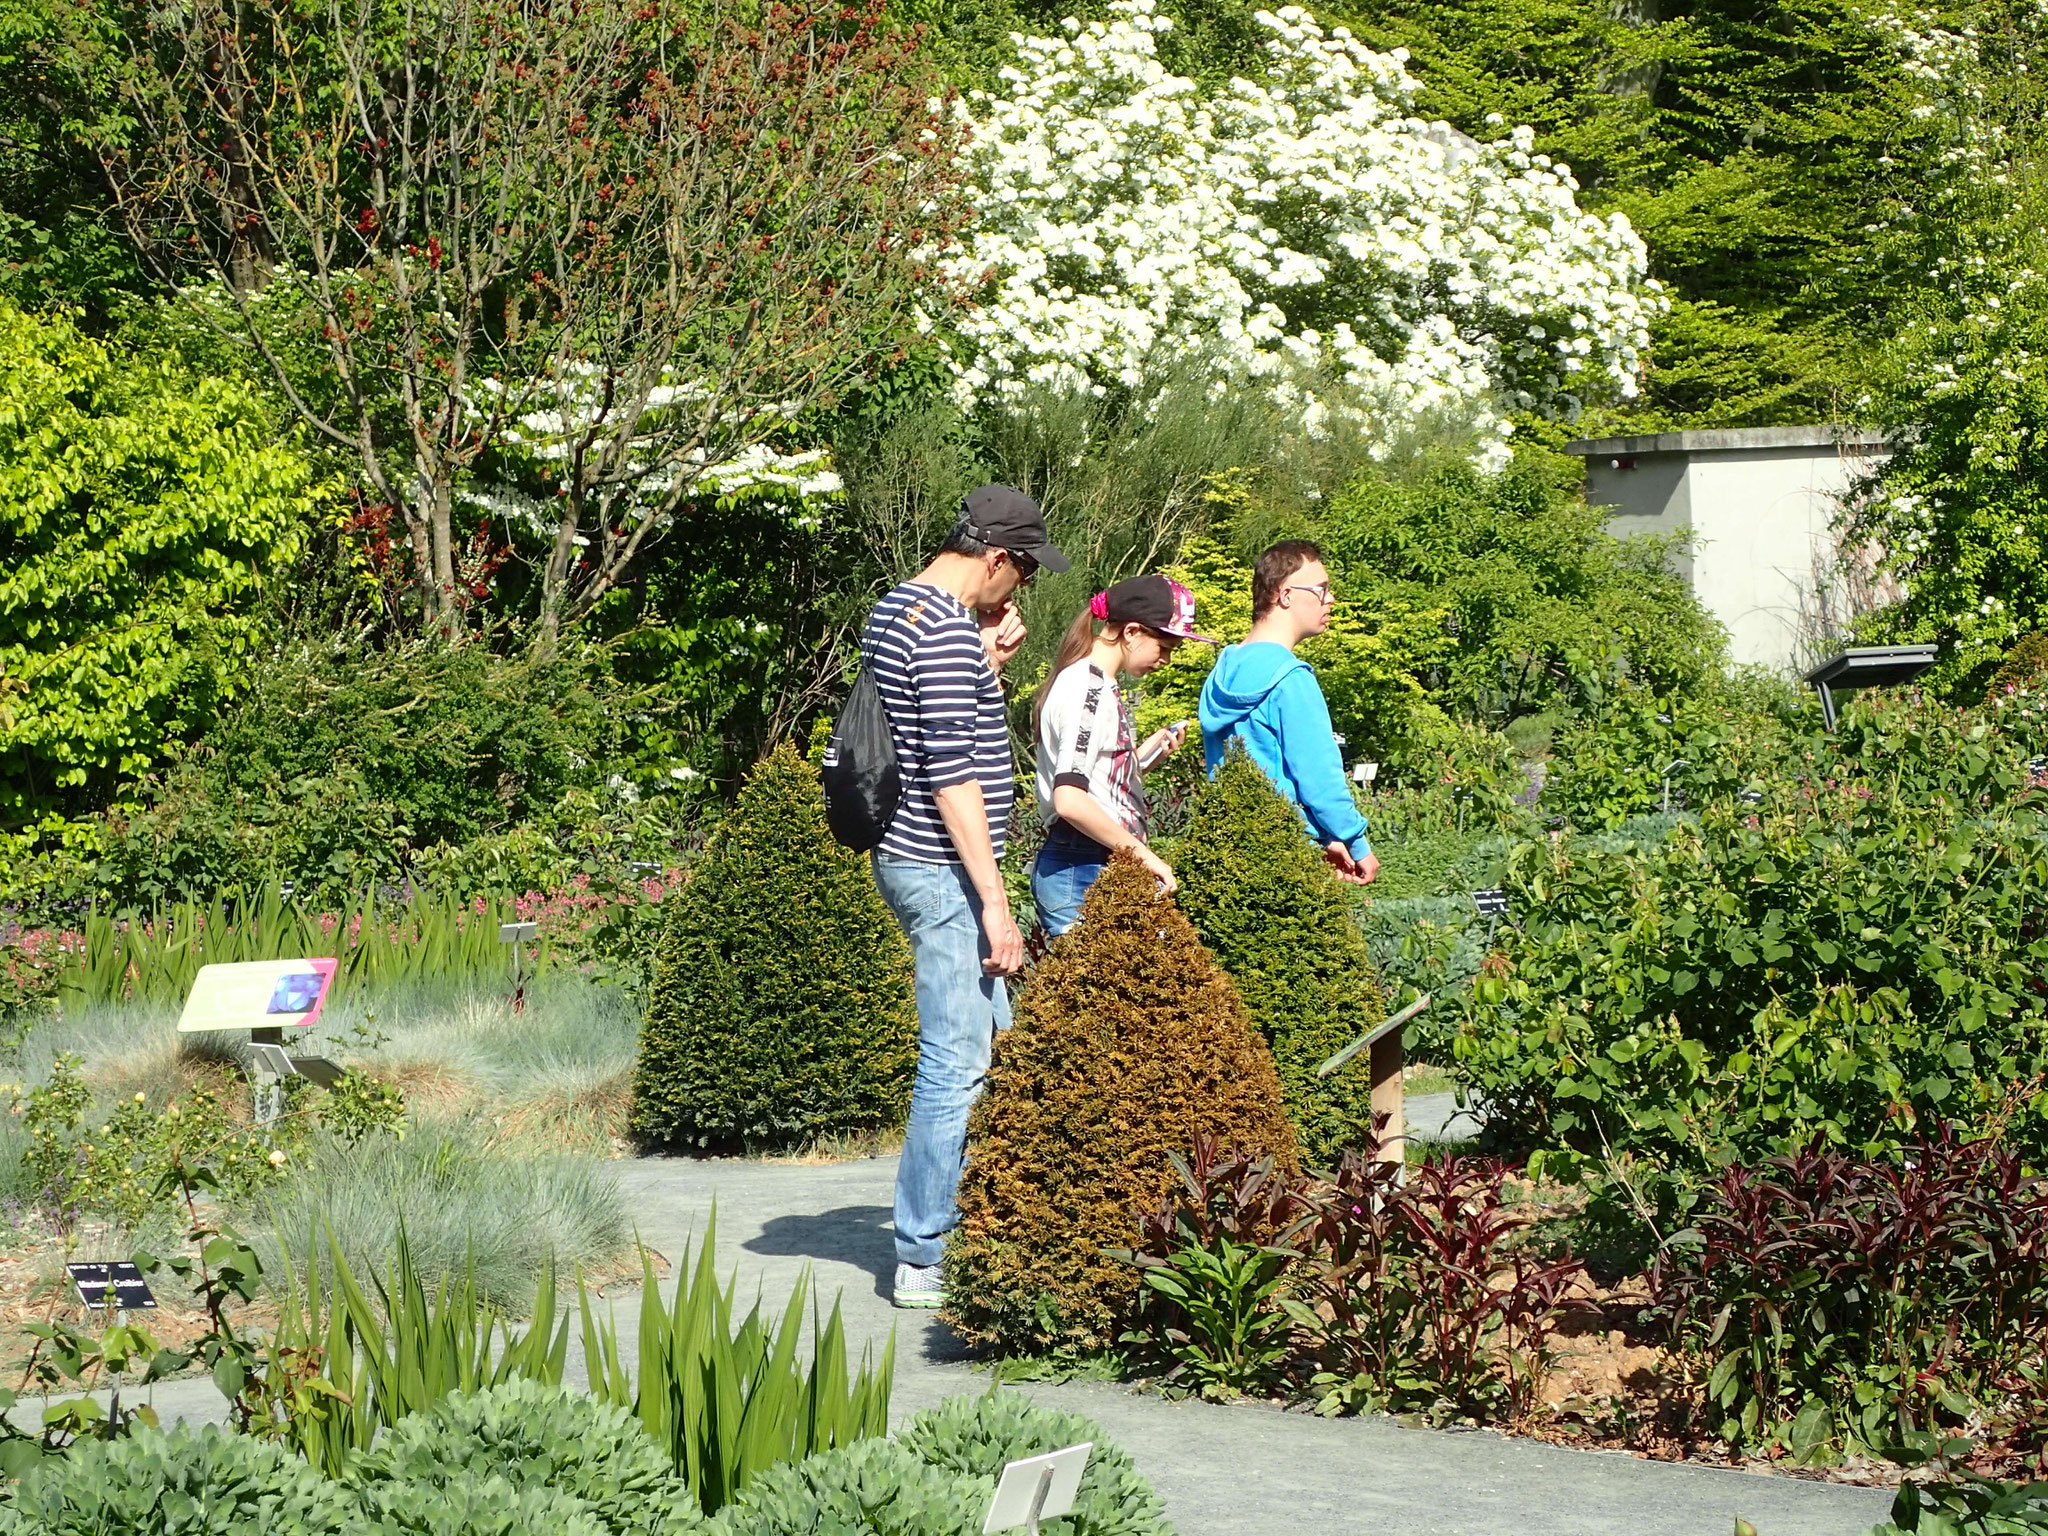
x=965, y=814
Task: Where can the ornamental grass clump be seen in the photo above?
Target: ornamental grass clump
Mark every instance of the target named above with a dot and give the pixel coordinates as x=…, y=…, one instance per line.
x=1129, y=1041
x=781, y=1009
x=1276, y=918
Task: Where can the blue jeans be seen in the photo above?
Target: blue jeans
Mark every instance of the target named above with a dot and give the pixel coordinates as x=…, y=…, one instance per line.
x=1067, y=865
x=959, y=1009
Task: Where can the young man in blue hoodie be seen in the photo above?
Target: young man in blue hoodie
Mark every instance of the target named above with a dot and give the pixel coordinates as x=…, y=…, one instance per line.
x=1261, y=693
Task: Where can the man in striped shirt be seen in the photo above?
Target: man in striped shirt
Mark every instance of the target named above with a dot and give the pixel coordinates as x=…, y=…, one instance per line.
x=938, y=644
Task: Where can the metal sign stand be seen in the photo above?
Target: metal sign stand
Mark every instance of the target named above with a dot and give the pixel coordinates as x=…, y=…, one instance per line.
x=516, y=934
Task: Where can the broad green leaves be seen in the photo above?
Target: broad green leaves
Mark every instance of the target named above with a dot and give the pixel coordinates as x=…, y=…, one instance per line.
x=139, y=517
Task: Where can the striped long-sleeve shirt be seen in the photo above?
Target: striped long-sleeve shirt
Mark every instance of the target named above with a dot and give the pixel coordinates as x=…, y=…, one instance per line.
x=945, y=707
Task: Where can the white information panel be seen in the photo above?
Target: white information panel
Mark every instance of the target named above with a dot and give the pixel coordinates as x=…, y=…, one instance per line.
x=258, y=994
x=1037, y=1488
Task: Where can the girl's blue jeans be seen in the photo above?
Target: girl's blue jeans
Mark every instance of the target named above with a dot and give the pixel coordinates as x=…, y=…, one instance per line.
x=1067, y=865
x=959, y=1009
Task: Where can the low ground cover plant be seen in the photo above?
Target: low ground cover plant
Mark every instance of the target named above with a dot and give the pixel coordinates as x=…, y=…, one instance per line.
x=1355, y=1290
x=525, y=1456
x=1128, y=1042
x=781, y=1009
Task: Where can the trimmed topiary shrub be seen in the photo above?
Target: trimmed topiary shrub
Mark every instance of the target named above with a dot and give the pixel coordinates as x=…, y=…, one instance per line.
x=2025, y=666
x=1128, y=1040
x=868, y=1488
x=1279, y=921
x=979, y=1436
x=179, y=1482
x=781, y=1009
x=534, y=1435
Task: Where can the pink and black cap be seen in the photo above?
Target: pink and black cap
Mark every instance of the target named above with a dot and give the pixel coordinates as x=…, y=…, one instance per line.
x=1157, y=602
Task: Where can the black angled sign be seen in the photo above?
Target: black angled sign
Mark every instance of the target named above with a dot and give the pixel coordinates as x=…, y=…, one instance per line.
x=131, y=1291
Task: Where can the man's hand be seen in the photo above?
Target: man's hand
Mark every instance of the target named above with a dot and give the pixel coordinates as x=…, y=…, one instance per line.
x=1002, y=633
x=1369, y=867
x=1005, y=943
x=1349, y=869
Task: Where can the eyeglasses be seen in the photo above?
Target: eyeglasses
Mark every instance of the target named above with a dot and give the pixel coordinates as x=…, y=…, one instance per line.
x=1321, y=590
x=1026, y=567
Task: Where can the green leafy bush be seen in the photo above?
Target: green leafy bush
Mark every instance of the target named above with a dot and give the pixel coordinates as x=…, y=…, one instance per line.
x=979, y=1436
x=1538, y=592
x=1858, y=950
x=726, y=1403
x=1716, y=744
x=118, y=1167
x=344, y=768
x=140, y=515
x=1278, y=921
x=869, y=1488
x=177, y=1482
x=781, y=1009
x=2025, y=666
x=537, y=1435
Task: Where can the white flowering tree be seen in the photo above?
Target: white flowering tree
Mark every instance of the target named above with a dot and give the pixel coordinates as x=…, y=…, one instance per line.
x=1304, y=230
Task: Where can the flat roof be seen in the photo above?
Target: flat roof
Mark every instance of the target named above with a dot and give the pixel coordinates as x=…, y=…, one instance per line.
x=1729, y=440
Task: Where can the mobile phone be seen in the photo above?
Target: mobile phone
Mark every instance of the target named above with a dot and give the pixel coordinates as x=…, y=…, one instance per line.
x=1146, y=762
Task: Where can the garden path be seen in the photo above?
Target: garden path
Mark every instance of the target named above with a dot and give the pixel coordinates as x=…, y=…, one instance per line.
x=1223, y=1471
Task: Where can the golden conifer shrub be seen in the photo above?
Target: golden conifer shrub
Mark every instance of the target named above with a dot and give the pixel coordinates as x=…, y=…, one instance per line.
x=1128, y=1040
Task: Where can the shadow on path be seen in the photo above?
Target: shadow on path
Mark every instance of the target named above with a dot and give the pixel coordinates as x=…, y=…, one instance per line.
x=856, y=1235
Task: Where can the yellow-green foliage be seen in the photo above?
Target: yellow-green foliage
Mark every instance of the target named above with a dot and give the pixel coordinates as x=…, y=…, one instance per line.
x=139, y=515
x=1258, y=892
x=1367, y=661
x=1128, y=1041
x=781, y=1009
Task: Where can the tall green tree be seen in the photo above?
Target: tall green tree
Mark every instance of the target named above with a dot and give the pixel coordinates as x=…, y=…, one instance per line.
x=141, y=514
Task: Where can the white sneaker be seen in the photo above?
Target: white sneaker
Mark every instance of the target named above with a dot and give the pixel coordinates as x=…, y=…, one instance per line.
x=920, y=1285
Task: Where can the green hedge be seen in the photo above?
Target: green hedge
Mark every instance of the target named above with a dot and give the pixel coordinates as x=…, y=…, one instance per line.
x=1269, y=909
x=781, y=1010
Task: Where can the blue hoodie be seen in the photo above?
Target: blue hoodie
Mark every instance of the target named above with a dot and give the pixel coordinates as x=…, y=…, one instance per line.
x=1268, y=697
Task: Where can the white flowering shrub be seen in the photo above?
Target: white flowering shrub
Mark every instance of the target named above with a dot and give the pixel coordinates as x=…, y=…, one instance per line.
x=1304, y=230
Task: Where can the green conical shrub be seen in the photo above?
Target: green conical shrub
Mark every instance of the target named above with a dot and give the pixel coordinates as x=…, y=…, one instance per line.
x=1128, y=1041
x=1280, y=922
x=781, y=1009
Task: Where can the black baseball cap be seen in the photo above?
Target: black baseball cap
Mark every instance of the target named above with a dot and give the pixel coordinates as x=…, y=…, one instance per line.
x=1003, y=516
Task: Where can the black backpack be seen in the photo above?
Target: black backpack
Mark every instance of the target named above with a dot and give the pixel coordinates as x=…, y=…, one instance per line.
x=862, y=780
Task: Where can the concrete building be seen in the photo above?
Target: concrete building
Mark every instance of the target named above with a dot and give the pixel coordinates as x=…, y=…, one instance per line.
x=1759, y=503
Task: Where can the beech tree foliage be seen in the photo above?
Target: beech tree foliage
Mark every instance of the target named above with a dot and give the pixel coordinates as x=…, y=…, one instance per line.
x=139, y=515
x=588, y=251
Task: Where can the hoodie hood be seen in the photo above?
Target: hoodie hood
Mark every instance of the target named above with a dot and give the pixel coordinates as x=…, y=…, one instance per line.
x=1240, y=681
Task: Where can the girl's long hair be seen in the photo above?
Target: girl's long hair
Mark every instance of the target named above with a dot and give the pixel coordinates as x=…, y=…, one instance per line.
x=1074, y=644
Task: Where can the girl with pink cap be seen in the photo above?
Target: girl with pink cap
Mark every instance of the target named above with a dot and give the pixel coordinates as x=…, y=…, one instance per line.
x=1091, y=791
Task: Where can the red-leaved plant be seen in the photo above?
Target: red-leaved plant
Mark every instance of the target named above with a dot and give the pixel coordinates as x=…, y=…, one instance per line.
x=1834, y=1301
x=1415, y=1293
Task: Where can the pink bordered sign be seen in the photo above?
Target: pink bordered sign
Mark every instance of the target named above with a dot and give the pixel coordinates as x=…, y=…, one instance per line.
x=258, y=994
